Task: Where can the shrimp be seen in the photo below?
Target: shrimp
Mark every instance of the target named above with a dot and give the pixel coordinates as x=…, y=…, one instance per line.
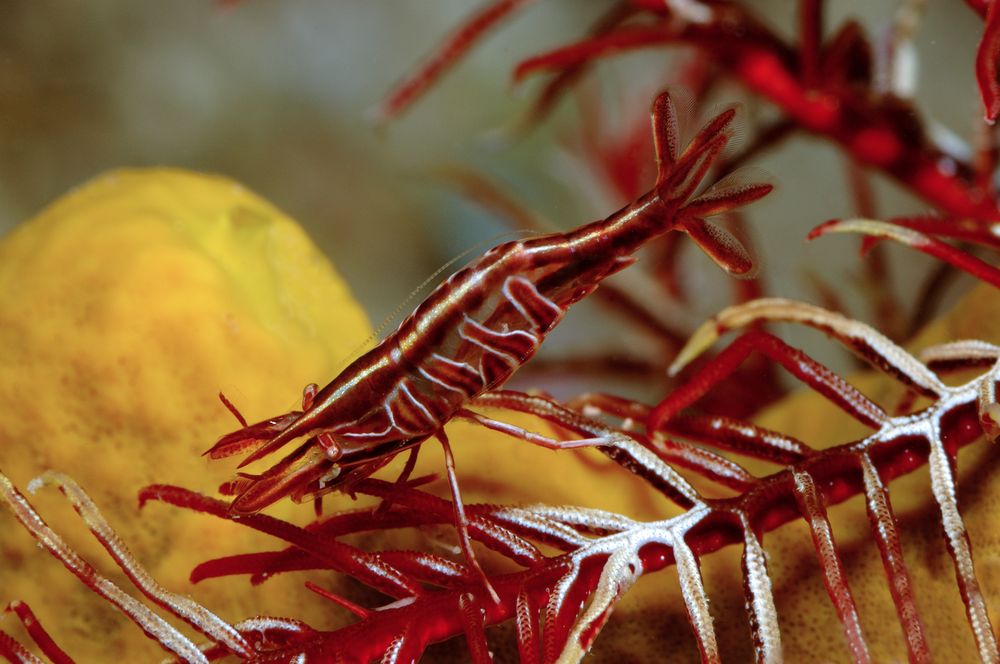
x=478, y=327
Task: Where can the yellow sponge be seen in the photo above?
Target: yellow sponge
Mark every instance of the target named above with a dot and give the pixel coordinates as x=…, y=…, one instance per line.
x=127, y=306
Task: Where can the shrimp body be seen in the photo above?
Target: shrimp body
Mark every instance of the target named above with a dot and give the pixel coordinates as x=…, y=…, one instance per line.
x=474, y=331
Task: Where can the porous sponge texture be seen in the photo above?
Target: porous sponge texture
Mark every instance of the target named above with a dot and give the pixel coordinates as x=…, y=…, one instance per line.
x=127, y=305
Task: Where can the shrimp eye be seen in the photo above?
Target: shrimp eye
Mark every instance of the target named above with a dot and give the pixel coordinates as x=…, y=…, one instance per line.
x=308, y=395
x=330, y=446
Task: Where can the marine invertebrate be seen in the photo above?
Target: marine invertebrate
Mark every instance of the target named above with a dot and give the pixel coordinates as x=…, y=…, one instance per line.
x=477, y=328
x=568, y=596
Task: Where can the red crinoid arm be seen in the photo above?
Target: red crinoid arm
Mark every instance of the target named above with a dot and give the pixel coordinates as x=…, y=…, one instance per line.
x=183, y=607
x=528, y=629
x=985, y=232
x=432, y=569
x=14, y=652
x=741, y=437
x=434, y=615
x=800, y=365
x=482, y=527
x=612, y=405
x=414, y=509
x=407, y=646
x=167, y=636
x=864, y=125
x=261, y=565
x=561, y=611
x=979, y=6
x=445, y=56
x=367, y=568
x=720, y=432
x=886, y=535
x=410, y=509
x=420, y=567
x=862, y=340
x=592, y=48
x=811, y=40
x=695, y=600
x=988, y=63
x=923, y=243
x=891, y=359
x=563, y=80
x=38, y=634
x=356, y=609
x=958, y=355
x=811, y=505
x=437, y=614
x=758, y=597
x=714, y=34
x=942, y=471
x=473, y=615
x=706, y=463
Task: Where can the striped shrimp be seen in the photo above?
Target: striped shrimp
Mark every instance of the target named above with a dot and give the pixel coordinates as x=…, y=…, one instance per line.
x=477, y=328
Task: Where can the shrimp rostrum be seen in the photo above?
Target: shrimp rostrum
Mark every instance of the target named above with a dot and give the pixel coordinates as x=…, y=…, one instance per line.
x=481, y=325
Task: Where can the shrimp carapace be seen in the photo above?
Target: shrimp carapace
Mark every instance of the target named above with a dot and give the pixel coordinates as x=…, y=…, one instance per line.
x=479, y=326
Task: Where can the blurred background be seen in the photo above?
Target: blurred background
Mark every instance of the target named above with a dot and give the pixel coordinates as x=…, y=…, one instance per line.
x=278, y=94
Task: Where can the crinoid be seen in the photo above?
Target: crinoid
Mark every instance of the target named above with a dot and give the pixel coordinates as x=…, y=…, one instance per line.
x=560, y=600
